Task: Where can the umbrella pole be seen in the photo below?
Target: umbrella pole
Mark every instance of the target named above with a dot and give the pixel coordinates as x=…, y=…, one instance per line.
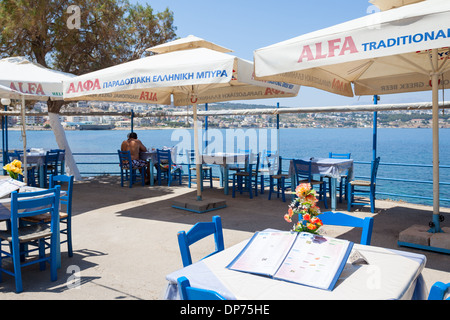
x=435, y=225
x=24, y=139
x=197, y=153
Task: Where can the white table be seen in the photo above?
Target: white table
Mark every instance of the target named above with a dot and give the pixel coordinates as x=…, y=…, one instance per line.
x=328, y=167
x=224, y=160
x=390, y=274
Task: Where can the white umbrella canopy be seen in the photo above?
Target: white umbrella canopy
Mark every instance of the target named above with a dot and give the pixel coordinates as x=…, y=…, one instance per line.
x=392, y=4
x=189, y=42
x=190, y=76
x=399, y=50
x=31, y=78
x=36, y=82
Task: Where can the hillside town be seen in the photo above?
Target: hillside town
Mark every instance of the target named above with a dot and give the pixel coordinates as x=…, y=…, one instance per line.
x=386, y=119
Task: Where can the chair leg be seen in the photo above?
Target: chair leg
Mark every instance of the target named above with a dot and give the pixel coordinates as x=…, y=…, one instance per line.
x=350, y=198
x=210, y=178
x=17, y=267
x=270, y=187
x=234, y=186
x=372, y=201
x=324, y=194
x=69, y=236
x=283, y=196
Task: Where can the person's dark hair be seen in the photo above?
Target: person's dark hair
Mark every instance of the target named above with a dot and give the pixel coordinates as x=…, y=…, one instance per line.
x=132, y=135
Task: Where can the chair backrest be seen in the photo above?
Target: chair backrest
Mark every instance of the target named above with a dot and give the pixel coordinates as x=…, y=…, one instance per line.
x=342, y=219
x=67, y=198
x=302, y=170
x=124, y=159
x=190, y=156
x=29, y=204
x=373, y=175
x=164, y=156
x=273, y=162
x=52, y=157
x=438, y=291
x=199, y=231
x=189, y=293
x=252, y=162
x=339, y=155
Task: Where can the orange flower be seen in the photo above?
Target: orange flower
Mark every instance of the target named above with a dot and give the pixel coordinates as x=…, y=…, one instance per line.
x=311, y=226
x=287, y=217
x=317, y=221
x=302, y=189
x=306, y=217
x=291, y=212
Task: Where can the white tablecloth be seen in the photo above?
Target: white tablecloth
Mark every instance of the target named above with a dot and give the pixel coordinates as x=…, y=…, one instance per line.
x=390, y=274
x=328, y=167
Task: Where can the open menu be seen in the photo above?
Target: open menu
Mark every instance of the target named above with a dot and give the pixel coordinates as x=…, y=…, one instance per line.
x=9, y=185
x=302, y=258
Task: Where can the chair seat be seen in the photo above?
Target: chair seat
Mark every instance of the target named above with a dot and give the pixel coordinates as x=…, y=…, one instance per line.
x=28, y=233
x=279, y=176
x=203, y=168
x=360, y=183
x=245, y=174
x=45, y=217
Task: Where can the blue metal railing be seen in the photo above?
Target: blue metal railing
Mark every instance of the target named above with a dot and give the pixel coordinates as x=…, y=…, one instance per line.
x=380, y=186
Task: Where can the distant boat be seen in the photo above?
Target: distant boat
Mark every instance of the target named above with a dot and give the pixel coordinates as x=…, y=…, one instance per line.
x=94, y=126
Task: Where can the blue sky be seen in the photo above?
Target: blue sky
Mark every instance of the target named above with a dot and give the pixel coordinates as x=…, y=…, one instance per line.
x=247, y=25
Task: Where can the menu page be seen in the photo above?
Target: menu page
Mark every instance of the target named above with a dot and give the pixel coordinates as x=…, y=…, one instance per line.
x=315, y=260
x=9, y=185
x=264, y=253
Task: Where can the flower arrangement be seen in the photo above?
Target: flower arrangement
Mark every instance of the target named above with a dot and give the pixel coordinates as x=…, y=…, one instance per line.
x=14, y=169
x=305, y=207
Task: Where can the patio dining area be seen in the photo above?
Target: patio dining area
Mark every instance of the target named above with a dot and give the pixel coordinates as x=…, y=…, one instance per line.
x=125, y=239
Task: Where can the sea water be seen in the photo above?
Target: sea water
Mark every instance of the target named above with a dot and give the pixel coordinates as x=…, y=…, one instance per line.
x=394, y=145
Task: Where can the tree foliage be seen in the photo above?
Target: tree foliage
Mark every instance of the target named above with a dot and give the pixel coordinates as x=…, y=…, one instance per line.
x=111, y=32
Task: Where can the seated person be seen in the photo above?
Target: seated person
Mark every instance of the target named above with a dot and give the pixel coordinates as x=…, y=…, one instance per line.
x=135, y=146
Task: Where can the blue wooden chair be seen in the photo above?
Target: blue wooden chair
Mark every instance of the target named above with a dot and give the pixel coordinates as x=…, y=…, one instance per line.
x=343, y=184
x=275, y=166
x=166, y=168
x=26, y=205
x=247, y=179
x=127, y=171
x=51, y=163
x=62, y=154
x=364, y=188
x=65, y=216
x=438, y=291
x=199, y=231
x=303, y=174
x=342, y=219
x=206, y=172
x=189, y=293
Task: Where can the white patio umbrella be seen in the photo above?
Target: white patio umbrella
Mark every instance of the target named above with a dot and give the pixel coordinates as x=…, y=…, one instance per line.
x=190, y=76
x=399, y=50
x=36, y=82
x=189, y=42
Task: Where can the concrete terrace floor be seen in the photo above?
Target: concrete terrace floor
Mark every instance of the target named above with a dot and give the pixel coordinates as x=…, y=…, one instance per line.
x=125, y=243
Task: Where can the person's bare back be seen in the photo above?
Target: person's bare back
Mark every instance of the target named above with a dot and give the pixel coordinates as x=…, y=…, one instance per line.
x=133, y=145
